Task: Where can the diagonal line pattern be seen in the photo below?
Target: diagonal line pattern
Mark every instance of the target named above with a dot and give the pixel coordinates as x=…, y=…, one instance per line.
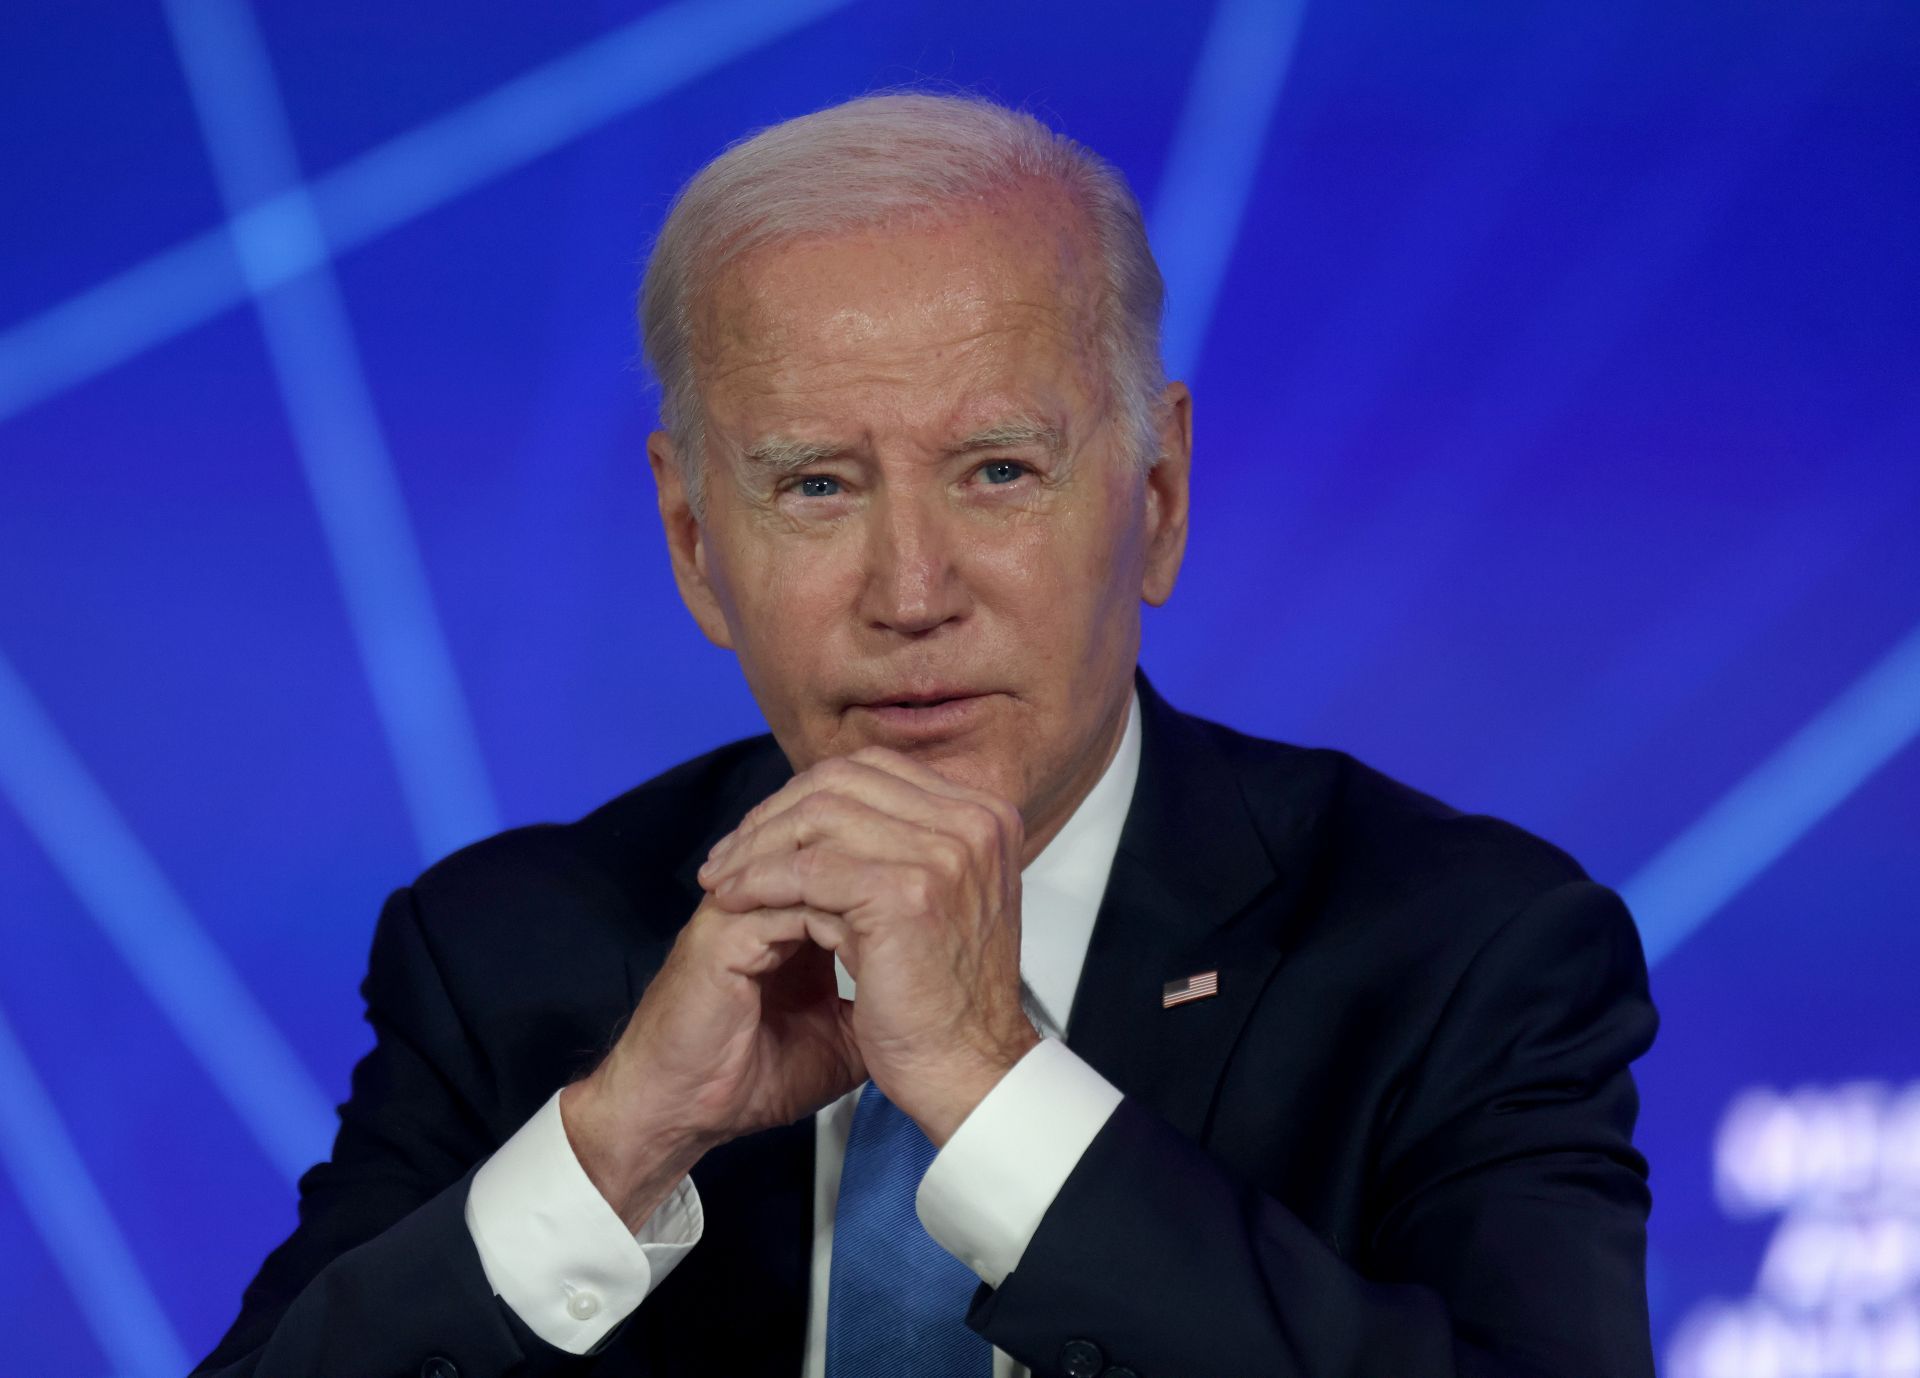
x=1549, y=764
x=274, y=242
x=117, y=319
x=1779, y=802
x=532, y=115
x=383, y=580
x=176, y=962
x=1203, y=193
x=549, y=107
x=67, y=1209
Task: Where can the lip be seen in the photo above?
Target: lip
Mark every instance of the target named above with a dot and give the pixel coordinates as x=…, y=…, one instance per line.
x=925, y=714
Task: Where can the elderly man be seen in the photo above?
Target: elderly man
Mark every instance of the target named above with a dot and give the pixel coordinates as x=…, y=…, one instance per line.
x=990, y=1015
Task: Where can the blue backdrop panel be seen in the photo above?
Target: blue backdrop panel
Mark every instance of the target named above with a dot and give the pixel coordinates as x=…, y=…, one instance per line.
x=1557, y=429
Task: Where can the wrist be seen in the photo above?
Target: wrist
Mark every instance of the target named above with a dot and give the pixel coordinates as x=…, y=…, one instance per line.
x=940, y=1100
x=634, y=1159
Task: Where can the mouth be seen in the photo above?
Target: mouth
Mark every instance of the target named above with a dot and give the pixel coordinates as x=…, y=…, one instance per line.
x=918, y=700
x=923, y=715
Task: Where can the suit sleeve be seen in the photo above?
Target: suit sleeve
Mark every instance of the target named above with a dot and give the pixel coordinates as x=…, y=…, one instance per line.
x=1506, y=1232
x=381, y=1275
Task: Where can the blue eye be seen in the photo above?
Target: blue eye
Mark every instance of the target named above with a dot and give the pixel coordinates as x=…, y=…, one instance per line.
x=1003, y=471
x=818, y=486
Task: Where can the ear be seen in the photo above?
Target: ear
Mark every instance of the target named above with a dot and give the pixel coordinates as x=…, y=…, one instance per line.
x=1166, y=485
x=686, y=541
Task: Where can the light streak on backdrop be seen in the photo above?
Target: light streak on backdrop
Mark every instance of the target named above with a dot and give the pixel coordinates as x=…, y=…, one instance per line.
x=1813, y=772
x=383, y=188
x=1555, y=454
x=1216, y=150
x=183, y=971
x=73, y=1219
x=383, y=581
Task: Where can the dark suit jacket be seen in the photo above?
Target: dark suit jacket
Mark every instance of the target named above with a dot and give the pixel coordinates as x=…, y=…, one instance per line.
x=1397, y=1142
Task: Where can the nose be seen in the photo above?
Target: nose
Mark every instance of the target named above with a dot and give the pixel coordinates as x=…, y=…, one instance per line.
x=912, y=586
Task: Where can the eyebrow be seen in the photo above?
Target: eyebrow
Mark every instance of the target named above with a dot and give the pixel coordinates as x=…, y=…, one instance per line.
x=782, y=456
x=1012, y=435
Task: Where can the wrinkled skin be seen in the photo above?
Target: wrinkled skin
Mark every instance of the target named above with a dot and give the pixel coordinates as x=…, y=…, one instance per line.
x=925, y=542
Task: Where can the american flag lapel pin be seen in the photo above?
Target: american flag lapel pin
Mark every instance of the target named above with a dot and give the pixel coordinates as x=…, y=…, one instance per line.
x=1195, y=987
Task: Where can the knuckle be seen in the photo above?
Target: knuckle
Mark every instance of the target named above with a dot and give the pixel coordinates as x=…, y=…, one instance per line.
x=984, y=824
x=950, y=854
x=1011, y=826
x=836, y=770
x=917, y=887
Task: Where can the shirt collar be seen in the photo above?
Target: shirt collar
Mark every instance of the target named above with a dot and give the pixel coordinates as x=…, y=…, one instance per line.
x=1060, y=892
x=1076, y=862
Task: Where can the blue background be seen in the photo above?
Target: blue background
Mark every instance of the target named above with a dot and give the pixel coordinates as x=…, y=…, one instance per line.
x=1557, y=429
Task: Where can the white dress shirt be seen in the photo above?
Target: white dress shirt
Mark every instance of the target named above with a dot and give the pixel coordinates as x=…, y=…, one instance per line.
x=557, y=1253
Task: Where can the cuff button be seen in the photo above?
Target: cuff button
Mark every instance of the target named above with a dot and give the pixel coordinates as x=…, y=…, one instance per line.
x=583, y=1306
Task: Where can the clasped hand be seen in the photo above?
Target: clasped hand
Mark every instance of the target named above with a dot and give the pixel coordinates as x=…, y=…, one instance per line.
x=914, y=881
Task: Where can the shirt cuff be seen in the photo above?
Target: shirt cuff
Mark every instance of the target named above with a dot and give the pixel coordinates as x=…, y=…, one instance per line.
x=986, y=1190
x=555, y=1251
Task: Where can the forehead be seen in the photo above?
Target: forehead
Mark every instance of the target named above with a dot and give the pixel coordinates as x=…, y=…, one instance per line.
x=948, y=324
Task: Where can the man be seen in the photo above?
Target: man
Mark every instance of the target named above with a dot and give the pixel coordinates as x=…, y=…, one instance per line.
x=1343, y=1087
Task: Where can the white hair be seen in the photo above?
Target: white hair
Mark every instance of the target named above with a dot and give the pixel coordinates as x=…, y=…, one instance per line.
x=904, y=156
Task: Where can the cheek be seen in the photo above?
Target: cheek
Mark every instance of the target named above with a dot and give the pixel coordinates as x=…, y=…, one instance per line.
x=1023, y=569
x=781, y=599
x=1099, y=550
x=1063, y=576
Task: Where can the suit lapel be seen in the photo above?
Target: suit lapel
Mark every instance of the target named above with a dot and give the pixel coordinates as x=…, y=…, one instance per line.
x=759, y=775
x=1190, y=864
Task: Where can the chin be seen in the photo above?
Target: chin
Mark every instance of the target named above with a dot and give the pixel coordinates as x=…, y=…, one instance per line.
x=971, y=766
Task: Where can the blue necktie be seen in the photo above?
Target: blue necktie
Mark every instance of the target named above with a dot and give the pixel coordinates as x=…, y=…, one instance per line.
x=896, y=1301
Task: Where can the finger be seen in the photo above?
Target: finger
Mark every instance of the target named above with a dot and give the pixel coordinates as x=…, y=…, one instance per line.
x=914, y=772
x=858, y=776
x=820, y=878
x=843, y=775
x=851, y=826
x=1003, y=811
x=758, y=940
x=895, y=784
